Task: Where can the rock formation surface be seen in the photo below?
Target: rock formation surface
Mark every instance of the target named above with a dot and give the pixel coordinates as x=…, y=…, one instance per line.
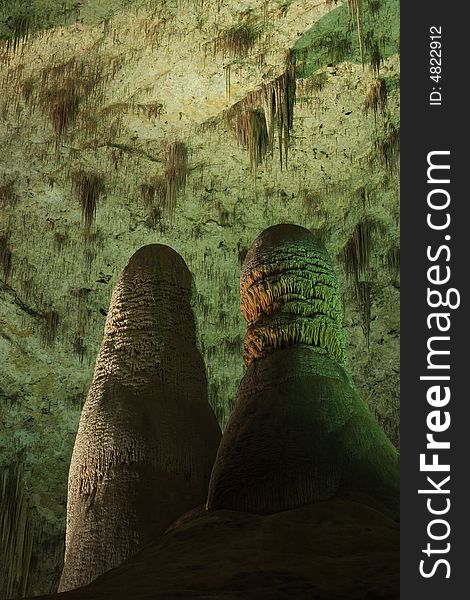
x=147, y=435
x=131, y=122
x=303, y=497
x=332, y=550
x=299, y=432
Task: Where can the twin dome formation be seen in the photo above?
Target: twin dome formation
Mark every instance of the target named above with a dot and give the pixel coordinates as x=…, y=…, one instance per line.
x=149, y=448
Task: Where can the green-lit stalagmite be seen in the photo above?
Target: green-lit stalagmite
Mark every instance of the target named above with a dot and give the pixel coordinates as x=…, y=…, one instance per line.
x=299, y=432
x=147, y=436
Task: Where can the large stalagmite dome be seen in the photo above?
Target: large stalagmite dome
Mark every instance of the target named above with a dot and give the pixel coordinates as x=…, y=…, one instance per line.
x=147, y=436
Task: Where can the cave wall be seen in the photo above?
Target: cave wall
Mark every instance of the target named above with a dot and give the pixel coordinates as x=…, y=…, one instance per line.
x=192, y=124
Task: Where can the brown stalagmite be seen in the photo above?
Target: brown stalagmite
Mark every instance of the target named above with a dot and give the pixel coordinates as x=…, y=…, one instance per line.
x=299, y=432
x=147, y=436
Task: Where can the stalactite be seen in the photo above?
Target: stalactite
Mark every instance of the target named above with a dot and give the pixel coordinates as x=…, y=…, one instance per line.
x=149, y=192
x=8, y=195
x=241, y=253
x=6, y=256
x=176, y=173
x=363, y=294
x=276, y=100
x=79, y=348
x=375, y=55
x=392, y=262
x=78, y=341
x=283, y=102
x=62, y=105
x=365, y=196
x=356, y=253
x=355, y=8
x=93, y=241
x=151, y=110
x=19, y=25
x=312, y=203
x=313, y=84
x=228, y=74
x=377, y=96
x=61, y=241
x=89, y=188
x=356, y=259
x=49, y=326
x=63, y=89
x=387, y=147
x=253, y=135
x=16, y=532
x=236, y=41
x=283, y=9
x=337, y=45
x=26, y=286
x=374, y=6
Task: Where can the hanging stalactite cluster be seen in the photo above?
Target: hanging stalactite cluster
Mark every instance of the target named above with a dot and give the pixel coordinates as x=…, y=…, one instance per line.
x=50, y=325
x=89, y=188
x=392, y=262
x=253, y=135
x=359, y=31
x=161, y=193
x=275, y=102
x=376, y=99
x=309, y=88
x=5, y=255
x=19, y=25
x=387, y=146
x=68, y=92
x=356, y=258
x=8, y=195
x=355, y=10
x=373, y=47
x=16, y=533
x=236, y=41
x=64, y=88
x=356, y=253
x=176, y=173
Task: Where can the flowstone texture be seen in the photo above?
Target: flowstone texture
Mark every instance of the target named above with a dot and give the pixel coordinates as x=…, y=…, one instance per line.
x=147, y=436
x=333, y=550
x=128, y=123
x=299, y=432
